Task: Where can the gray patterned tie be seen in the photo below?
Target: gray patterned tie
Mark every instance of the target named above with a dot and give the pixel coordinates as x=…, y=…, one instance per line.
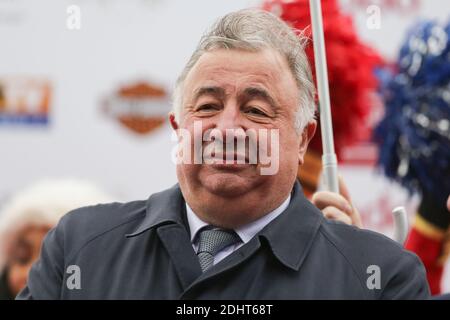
x=210, y=242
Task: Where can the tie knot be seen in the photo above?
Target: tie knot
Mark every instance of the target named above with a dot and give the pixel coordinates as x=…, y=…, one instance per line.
x=214, y=240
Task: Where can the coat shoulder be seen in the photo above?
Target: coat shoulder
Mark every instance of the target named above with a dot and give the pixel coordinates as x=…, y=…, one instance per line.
x=362, y=240
x=365, y=245
x=84, y=224
x=366, y=251
x=99, y=217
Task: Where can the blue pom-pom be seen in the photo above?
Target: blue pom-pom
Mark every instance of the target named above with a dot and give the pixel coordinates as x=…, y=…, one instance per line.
x=414, y=134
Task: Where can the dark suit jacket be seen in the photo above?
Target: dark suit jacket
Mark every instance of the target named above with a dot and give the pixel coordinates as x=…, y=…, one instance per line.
x=142, y=250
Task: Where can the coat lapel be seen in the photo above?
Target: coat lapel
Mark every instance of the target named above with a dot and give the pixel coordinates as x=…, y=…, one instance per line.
x=165, y=214
x=178, y=245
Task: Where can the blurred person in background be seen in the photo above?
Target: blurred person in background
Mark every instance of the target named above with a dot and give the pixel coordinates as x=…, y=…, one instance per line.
x=27, y=217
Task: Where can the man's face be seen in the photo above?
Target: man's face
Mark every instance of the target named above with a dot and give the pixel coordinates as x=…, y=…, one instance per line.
x=234, y=89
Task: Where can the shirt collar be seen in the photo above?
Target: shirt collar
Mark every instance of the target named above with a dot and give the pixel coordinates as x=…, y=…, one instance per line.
x=195, y=223
x=245, y=232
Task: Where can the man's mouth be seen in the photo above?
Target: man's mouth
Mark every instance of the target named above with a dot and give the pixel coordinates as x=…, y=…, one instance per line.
x=231, y=158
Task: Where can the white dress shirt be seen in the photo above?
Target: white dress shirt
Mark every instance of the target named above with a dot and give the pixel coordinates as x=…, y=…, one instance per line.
x=246, y=232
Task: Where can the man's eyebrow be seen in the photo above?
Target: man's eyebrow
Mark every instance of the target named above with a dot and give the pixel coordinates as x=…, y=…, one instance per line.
x=259, y=93
x=209, y=90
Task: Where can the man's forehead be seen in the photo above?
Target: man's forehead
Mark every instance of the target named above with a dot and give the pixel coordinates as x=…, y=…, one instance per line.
x=234, y=70
x=238, y=65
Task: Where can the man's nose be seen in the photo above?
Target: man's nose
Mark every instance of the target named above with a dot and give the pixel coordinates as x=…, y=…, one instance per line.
x=229, y=118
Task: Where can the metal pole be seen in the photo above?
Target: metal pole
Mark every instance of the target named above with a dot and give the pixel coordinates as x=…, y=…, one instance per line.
x=329, y=160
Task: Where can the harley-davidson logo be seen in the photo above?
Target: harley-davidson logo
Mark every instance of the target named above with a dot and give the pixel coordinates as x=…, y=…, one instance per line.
x=141, y=107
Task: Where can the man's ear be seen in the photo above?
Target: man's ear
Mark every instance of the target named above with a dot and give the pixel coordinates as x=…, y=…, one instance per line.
x=307, y=135
x=174, y=124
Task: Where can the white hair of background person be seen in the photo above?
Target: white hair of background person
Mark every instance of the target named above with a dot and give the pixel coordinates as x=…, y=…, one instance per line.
x=43, y=204
x=255, y=30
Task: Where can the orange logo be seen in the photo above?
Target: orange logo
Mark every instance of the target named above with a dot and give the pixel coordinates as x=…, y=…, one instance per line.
x=141, y=107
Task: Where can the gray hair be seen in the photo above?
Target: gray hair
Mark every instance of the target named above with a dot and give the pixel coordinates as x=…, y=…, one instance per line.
x=254, y=30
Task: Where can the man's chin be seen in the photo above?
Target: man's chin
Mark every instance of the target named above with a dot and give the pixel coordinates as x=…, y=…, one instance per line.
x=227, y=184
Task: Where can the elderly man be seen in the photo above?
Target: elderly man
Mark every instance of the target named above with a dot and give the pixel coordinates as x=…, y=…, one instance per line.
x=229, y=229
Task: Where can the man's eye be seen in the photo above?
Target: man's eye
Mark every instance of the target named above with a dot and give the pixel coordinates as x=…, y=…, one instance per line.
x=256, y=112
x=208, y=107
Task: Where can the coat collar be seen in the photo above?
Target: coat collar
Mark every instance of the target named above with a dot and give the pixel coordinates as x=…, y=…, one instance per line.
x=162, y=208
x=289, y=236
x=292, y=233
